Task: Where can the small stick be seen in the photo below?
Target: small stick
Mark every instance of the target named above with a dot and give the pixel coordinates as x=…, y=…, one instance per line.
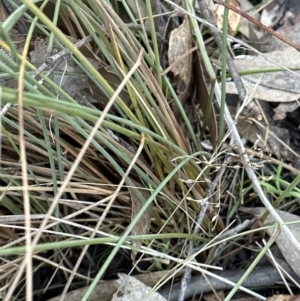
x=261, y=25
x=55, y=57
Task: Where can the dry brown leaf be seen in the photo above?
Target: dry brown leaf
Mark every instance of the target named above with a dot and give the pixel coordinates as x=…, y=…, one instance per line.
x=273, y=298
x=135, y=290
x=233, y=18
x=288, y=250
x=181, y=64
x=284, y=298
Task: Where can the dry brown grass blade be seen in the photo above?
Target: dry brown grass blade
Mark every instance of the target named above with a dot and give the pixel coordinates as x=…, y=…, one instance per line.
x=202, y=97
x=130, y=51
x=144, y=223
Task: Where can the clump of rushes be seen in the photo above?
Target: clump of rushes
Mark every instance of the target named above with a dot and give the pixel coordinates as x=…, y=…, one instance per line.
x=103, y=169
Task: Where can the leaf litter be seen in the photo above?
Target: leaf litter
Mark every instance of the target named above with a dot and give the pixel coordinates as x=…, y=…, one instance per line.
x=182, y=69
x=288, y=250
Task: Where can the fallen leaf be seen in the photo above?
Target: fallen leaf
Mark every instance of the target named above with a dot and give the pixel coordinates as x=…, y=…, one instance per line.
x=180, y=62
x=288, y=250
x=273, y=298
x=104, y=290
x=284, y=298
x=135, y=290
x=233, y=18
x=279, y=86
x=283, y=108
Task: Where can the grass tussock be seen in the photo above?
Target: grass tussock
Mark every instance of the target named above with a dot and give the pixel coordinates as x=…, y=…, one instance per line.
x=94, y=162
